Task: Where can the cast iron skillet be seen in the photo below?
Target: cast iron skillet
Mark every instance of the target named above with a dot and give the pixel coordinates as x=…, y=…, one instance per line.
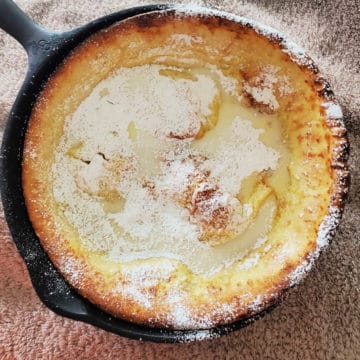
x=46, y=50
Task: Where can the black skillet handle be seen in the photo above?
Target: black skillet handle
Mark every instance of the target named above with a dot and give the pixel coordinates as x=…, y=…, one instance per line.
x=37, y=41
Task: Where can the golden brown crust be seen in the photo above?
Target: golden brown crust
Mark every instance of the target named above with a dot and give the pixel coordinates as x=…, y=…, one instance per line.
x=232, y=294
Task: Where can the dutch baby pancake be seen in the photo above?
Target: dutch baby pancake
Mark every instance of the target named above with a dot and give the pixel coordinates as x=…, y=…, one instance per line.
x=182, y=168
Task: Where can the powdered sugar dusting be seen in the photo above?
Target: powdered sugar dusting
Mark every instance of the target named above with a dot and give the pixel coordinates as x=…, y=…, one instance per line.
x=262, y=89
x=140, y=174
x=325, y=233
x=199, y=335
x=333, y=111
x=71, y=269
x=181, y=314
x=139, y=279
x=296, y=52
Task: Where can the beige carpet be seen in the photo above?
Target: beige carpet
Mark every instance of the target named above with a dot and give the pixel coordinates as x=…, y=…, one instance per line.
x=319, y=320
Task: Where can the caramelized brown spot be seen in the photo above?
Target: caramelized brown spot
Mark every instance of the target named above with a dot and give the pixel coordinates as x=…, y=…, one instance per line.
x=172, y=135
x=150, y=186
x=208, y=210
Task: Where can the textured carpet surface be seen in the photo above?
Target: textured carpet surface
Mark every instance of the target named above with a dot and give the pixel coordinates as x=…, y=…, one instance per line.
x=321, y=317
